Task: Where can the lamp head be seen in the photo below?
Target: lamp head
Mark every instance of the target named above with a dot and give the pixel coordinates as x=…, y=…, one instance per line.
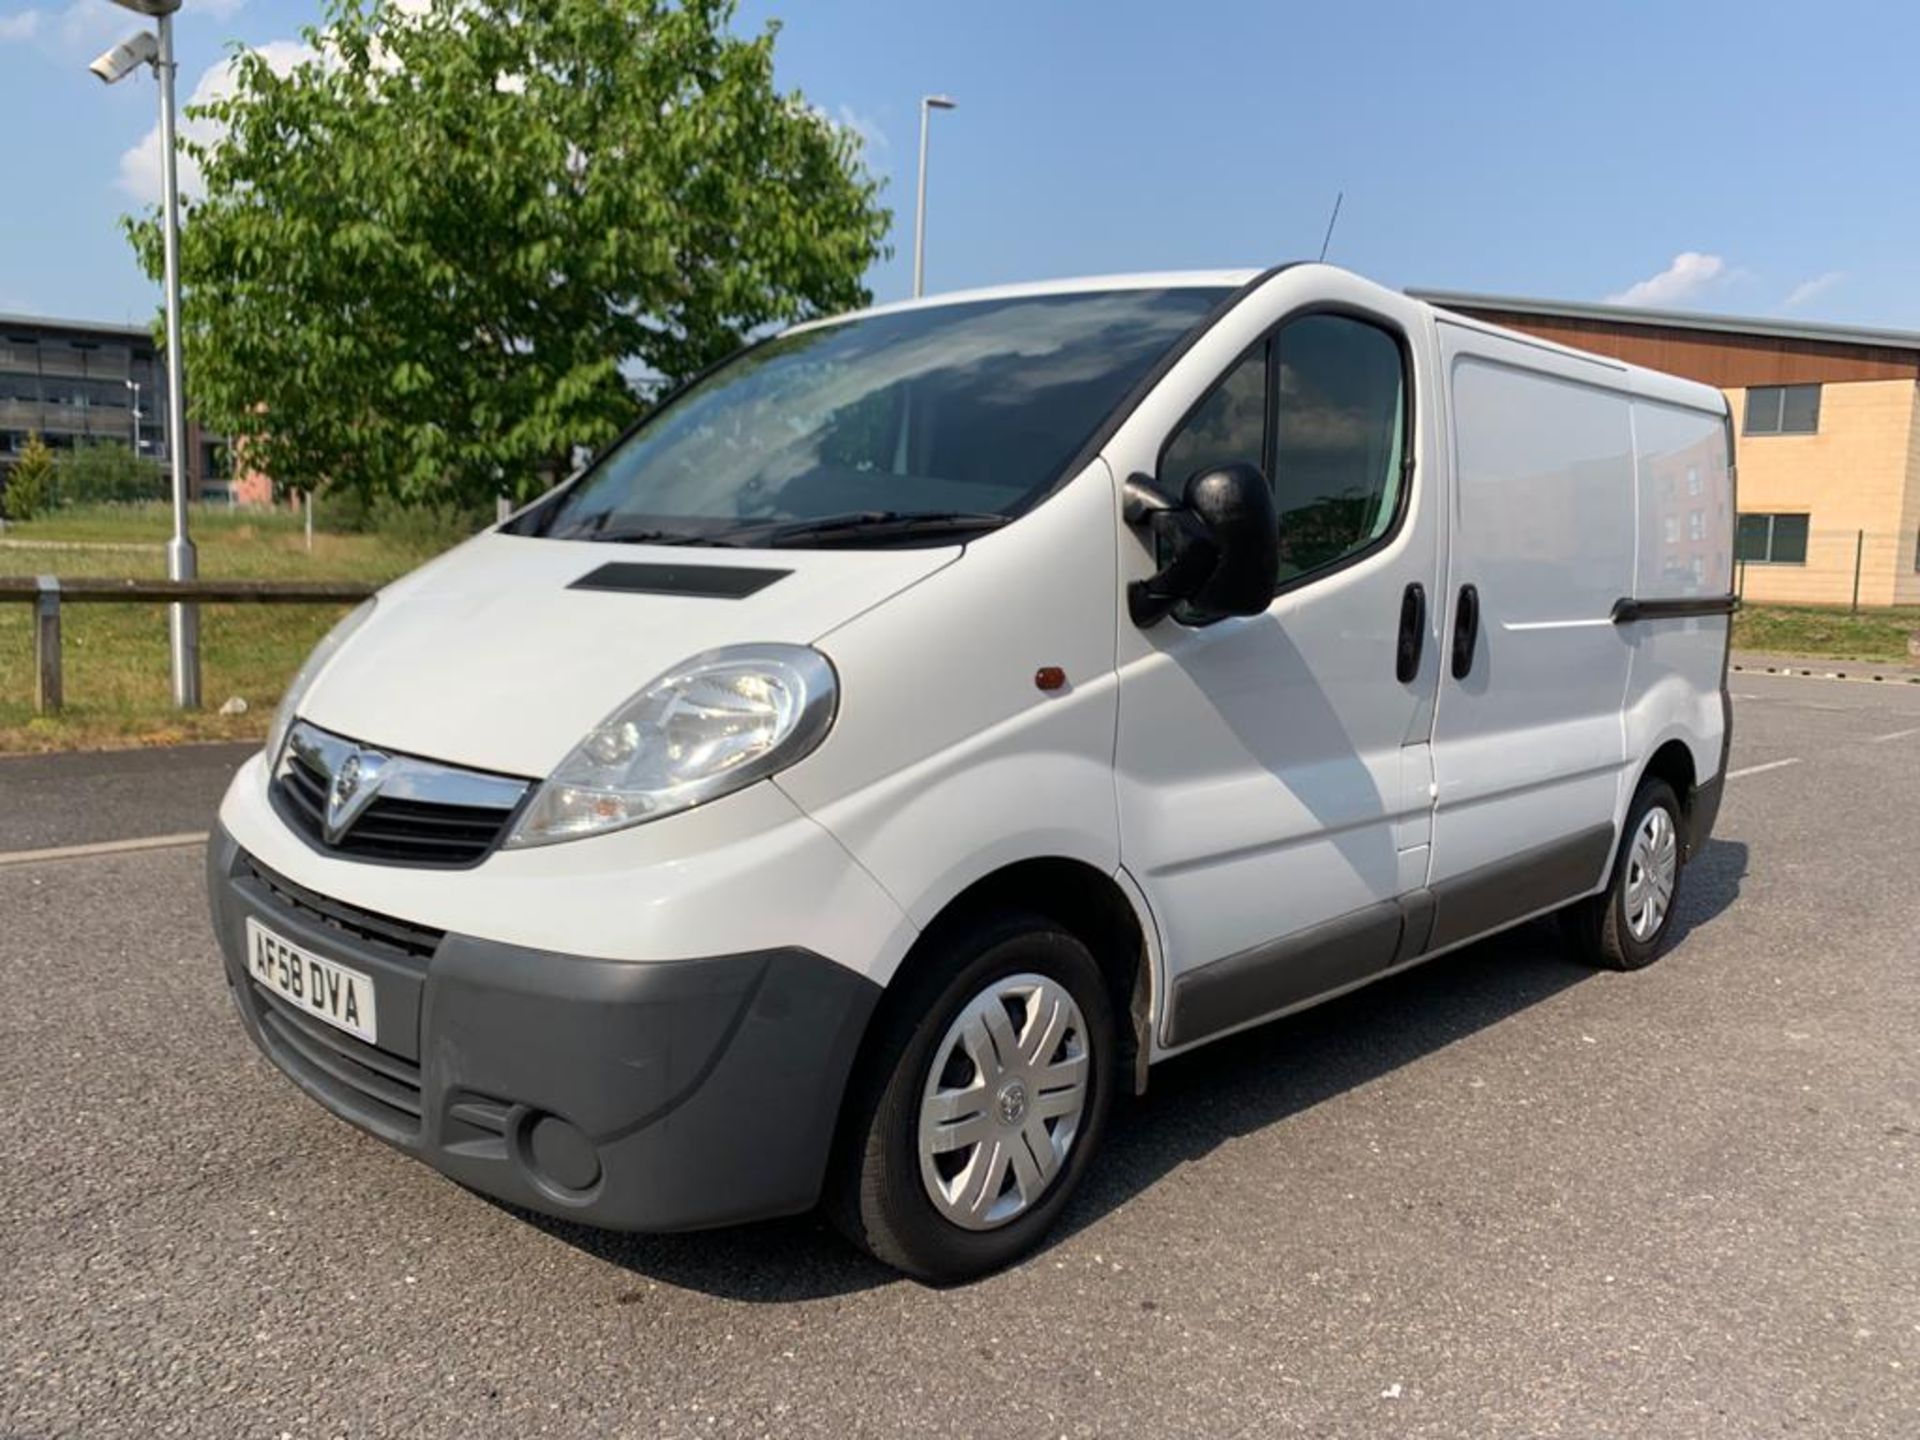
x=939, y=102
x=153, y=9
x=139, y=48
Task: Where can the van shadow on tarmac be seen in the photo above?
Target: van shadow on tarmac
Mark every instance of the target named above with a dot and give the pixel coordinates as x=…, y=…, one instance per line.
x=1235, y=1087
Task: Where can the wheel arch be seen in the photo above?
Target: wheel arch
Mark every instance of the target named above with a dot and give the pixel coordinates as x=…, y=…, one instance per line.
x=1086, y=902
x=1673, y=762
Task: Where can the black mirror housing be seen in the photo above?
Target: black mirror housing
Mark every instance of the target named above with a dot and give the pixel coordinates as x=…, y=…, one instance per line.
x=1235, y=503
x=1225, y=544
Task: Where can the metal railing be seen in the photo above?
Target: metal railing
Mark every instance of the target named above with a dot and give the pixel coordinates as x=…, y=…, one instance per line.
x=48, y=594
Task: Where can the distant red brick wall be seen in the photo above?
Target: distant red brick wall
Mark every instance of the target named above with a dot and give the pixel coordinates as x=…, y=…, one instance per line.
x=250, y=487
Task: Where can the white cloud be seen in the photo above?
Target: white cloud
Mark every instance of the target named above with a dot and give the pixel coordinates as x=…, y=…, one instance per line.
x=1689, y=274
x=82, y=27
x=863, y=128
x=872, y=137
x=89, y=24
x=140, y=166
x=85, y=27
x=1811, y=289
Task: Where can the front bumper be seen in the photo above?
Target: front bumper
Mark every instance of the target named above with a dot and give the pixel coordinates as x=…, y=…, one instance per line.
x=635, y=1095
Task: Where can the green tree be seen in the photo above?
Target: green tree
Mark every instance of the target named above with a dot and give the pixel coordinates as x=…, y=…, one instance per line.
x=437, y=255
x=29, y=488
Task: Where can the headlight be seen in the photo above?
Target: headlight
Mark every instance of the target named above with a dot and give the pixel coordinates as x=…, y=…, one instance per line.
x=308, y=673
x=704, y=729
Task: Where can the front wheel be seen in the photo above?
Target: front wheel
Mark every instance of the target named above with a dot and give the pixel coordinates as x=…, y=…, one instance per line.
x=1624, y=927
x=982, y=1101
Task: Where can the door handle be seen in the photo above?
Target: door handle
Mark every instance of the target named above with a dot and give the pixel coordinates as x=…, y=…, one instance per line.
x=1413, y=632
x=1466, y=630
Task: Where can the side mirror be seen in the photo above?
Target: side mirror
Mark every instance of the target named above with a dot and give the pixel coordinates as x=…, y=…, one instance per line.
x=1222, y=543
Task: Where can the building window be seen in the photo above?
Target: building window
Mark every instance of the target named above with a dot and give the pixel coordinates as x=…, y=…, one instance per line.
x=1772, y=540
x=1696, y=525
x=1783, y=410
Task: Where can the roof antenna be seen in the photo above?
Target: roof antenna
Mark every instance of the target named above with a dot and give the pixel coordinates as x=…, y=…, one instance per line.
x=1332, y=220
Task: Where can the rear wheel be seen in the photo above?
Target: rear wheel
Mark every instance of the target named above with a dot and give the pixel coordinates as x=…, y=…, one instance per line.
x=1625, y=926
x=982, y=1102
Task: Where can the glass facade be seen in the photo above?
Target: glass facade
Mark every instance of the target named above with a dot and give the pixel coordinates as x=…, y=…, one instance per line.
x=75, y=384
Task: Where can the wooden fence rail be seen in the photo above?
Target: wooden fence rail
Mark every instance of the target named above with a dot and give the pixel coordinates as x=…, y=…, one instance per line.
x=48, y=593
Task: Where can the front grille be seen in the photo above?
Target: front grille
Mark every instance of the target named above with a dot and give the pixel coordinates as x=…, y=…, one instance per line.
x=416, y=942
x=375, y=1085
x=424, y=814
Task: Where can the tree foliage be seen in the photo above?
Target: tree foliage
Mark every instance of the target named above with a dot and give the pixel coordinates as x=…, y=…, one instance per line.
x=432, y=258
x=29, y=488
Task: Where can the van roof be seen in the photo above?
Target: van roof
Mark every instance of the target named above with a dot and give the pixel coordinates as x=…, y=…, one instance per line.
x=1074, y=285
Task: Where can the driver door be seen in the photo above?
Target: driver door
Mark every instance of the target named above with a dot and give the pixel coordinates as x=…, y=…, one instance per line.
x=1272, y=771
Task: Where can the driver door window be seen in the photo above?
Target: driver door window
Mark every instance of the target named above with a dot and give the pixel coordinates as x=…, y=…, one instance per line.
x=1321, y=408
x=1229, y=428
x=1340, y=434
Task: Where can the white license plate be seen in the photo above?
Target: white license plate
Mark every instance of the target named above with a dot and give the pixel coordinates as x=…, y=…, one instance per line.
x=324, y=989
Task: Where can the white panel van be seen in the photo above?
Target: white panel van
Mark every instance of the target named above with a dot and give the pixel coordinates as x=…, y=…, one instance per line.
x=926, y=721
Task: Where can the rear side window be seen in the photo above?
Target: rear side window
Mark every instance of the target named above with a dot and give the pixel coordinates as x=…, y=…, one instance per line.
x=1321, y=408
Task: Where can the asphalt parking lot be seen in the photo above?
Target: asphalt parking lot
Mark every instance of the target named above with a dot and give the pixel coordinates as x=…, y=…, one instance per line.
x=1496, y=1196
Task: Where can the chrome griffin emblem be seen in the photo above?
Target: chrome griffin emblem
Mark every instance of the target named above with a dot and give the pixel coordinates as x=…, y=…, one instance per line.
x=354, y=786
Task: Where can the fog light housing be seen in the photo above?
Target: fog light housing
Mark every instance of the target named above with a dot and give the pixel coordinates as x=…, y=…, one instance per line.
x=558, y=1156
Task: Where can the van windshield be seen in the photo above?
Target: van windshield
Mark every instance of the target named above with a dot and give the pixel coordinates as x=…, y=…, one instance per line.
x=920, y=426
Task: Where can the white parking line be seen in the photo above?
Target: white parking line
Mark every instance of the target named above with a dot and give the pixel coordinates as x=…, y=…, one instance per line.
x=1756, y=769
x=102, y=847
x=1897, y=735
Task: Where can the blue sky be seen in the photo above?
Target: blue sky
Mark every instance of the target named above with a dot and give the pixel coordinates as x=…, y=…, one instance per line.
x=1743, y=158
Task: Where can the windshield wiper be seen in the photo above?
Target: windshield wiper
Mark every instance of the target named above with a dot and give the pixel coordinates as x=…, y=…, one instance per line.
x=658, y=537
x=602, y=530
x=861, y=525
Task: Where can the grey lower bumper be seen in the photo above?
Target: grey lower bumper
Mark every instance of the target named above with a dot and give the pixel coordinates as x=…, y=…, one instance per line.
x=636, y=1096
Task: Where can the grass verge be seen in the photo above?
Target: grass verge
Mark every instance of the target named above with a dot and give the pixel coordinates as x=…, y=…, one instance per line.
x=116, y=663
x=1827, y=632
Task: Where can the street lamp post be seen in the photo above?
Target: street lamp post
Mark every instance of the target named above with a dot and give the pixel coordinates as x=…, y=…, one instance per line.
x=155, y=48
x=928, y=104
x=134, y=386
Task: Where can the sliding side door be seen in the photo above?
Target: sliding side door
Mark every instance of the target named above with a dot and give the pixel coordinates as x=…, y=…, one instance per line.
x=1528, y=744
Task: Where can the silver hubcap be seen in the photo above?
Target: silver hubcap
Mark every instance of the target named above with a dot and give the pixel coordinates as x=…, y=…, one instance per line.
x=1652, y=866
x=1003, y=1101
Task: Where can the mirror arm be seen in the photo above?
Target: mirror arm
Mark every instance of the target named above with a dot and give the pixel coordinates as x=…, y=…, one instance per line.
x=1140, y=501
x=1195, y=552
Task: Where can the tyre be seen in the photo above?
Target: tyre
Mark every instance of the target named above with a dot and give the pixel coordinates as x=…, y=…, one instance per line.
x=1625, y=926
x=980, y=1102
